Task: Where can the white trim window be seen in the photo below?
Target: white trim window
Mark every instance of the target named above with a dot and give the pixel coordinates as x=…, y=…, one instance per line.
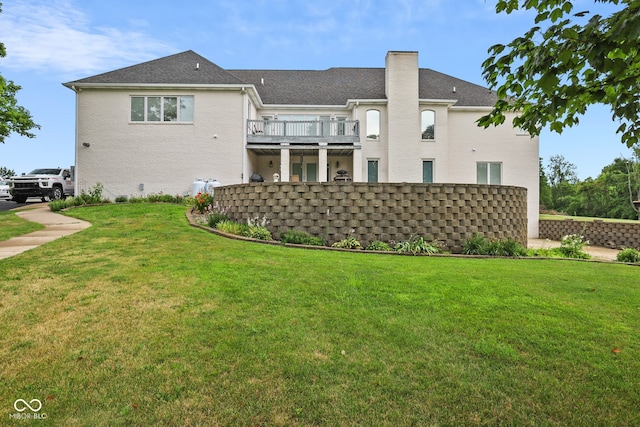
x=427, y=171
x=489, y=173
x=428, y=118
x=373, y=124
x=162, y=109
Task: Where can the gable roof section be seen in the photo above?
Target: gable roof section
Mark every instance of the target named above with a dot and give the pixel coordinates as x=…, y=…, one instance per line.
x=436, y=85
x=181, y=68
x=335, y=86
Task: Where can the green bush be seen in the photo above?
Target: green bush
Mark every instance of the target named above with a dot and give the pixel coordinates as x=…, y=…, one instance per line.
x=417, y=245
x=164, y=198
x=215, y=218
x=377, y=245
x=121, y=199
x=258, y=232
x=476, y=245
x=232, y=227
x=629, y=255
x=480, y=245
x=348, y=243
x=300, y=238
x=571, y=247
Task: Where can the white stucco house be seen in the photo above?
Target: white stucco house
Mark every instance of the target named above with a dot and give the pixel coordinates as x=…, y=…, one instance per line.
x=157, y=126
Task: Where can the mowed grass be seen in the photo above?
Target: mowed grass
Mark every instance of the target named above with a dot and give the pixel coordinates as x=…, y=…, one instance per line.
x=585, y=218
x=12, y=225
x=144, y=320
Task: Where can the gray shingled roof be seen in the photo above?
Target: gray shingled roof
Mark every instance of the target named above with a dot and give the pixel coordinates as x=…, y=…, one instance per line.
x=175, y=69
x=293, y=87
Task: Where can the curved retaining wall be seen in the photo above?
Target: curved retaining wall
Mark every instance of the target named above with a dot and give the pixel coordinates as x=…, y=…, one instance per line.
x=450, y=213
x=615, y=235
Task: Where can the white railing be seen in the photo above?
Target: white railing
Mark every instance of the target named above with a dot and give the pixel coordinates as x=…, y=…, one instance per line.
x=319, y=130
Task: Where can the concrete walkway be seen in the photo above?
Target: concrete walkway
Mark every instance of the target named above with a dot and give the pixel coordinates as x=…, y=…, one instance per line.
x=56, y=226
x=596, y=252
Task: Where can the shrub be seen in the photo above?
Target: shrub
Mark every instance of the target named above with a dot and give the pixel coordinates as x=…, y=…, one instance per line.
x=202, y=202
x=571, y=246
x=480, y=245
x=505, y=247
x=512, y=248
x=233, y=227
x=629, y=255
x=476, y=245
x=348, y=243
x=215, y=218
x=377, y=245
x=259, y=233
x=300, y=238
x=417, y=245
x=121, y=199
x=57, y=205
x=93, y=197
x=163, y=198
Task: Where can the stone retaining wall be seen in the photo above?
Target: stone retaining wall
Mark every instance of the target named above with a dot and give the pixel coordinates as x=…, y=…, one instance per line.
x=450, y=213
x=615, y=235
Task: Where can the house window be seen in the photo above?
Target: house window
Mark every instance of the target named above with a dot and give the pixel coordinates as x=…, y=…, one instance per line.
x=427, y=171
x=428, y=124
x=373, y=124
x=372, y=171
x=162, y=108
x=489, y=173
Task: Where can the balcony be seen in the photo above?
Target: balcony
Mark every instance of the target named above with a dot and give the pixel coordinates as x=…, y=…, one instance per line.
x=271, y=133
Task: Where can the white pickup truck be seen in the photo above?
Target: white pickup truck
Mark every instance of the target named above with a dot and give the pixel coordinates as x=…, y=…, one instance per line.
x=54, y=183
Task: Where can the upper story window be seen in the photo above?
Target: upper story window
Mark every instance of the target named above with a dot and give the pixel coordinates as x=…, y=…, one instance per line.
x=428, y=124
x=373, y=124
x=489, y=173
x=162, y=108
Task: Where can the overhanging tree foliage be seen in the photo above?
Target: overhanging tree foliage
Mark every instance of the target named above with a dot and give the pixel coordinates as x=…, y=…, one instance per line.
x=13, y=117
x=551, y=75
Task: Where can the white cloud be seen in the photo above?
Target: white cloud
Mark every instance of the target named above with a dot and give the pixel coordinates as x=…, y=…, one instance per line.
x=56, y=37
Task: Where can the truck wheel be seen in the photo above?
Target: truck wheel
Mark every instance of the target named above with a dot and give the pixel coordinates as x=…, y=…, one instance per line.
x=56, y=193
x=19, y=199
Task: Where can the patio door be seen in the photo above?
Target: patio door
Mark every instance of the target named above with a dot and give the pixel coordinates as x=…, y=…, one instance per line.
x=296, y=172
x=312, y=172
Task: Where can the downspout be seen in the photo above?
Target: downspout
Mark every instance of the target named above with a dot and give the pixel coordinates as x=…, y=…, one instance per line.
x=245, y=114
x=75, y=151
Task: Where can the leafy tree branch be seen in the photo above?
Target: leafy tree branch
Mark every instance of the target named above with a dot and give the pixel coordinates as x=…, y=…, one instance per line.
x=13, y=117
x=551, y=74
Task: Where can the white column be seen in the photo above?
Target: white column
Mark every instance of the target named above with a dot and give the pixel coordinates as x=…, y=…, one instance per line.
x=322, y=165
x=284, y=165
x=357, y=165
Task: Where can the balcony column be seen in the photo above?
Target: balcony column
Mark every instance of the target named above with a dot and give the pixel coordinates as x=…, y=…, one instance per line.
x=322, y=163
x=357, y=165
x=284, y=165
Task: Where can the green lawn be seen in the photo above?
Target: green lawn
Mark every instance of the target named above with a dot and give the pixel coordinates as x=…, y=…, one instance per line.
x=585, y=218
x=12, y=225
x=144, y=320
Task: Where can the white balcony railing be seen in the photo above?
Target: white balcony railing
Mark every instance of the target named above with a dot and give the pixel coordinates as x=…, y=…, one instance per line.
x=303, y=132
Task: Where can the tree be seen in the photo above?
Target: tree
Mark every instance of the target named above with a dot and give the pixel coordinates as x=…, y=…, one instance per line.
x=546, y=200
x=563, y=180
x=6, y=173
x=549, y=76
x=13, y=117
x=561, y=170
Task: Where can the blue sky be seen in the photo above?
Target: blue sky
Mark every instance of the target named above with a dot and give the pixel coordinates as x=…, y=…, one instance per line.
x=50, y=42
